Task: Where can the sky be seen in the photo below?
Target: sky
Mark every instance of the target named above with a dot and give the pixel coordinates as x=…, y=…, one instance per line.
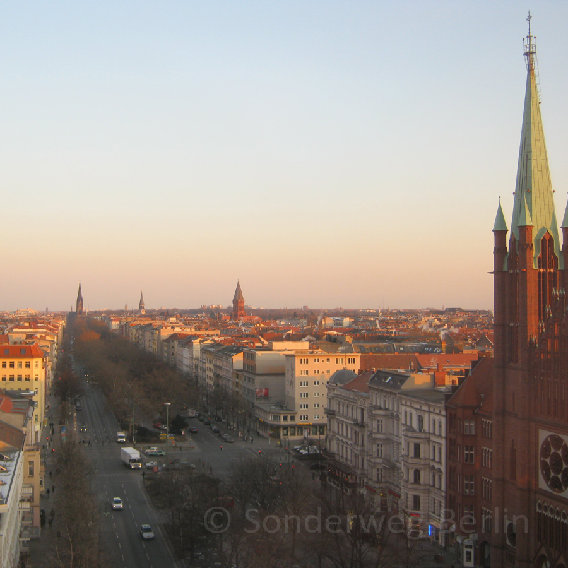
x=326, y=153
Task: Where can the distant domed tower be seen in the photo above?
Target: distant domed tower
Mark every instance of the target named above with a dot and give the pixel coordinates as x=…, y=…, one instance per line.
x=141, y=307
x=79, y=303
x=238, y=303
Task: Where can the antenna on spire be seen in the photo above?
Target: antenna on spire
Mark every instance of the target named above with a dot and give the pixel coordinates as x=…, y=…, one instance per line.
x=530, y=47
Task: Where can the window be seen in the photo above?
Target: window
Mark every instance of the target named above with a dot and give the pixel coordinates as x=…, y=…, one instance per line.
x=19, y=364
x=416, y=476
x=379, y=425
x=316, y=383
x=416, y=502
x=379, y=450
x=3, y=364
x=416, y=451
x=468, y=454
x=316, y=416
x=469, y=427
x=487, y=457
x=303, y=383
x=30, y=468
x=316, y=405
x=379, y=474
x=27, y=377
x=469, y=485
x=303, y=417
x=304, y=405
x=11, y=364
x=304, y=395
x=420, y=423
x=11, y=378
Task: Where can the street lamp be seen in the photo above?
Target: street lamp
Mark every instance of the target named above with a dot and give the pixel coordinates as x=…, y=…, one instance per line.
x=167, y=405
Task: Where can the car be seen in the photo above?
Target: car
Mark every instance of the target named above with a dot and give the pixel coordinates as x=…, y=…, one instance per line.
x=214, y=429
x=151, y=464
x=207, y=422
x=117, y=504
x=83, y=428
x=194, y=429
x=153, y=451
x=146, y=532
x=157, y=425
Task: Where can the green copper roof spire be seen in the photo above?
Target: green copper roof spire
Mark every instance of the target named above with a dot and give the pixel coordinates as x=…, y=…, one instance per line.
x=565, y=220
x=500, y=223
x=533, y=193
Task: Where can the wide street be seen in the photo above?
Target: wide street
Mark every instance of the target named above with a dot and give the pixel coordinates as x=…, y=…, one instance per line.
x=94, y=427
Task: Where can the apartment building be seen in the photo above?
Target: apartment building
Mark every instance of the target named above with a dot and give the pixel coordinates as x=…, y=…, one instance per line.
x=386, y=435
x=12, y=468
x=347, y=437
x=16, y=417
x=22, y=368
x=305, y=389
x=423, y=484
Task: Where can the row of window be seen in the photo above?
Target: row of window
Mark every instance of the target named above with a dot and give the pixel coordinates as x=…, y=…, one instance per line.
x=18, y=364
x=305, y=405
x=12, y=378
x=307, y=383
x=306, y=417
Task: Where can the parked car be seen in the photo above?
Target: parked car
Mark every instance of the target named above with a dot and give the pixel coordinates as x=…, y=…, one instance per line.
x=146, y=532
x=117, y=504
x=151, y=464
x=194, y=429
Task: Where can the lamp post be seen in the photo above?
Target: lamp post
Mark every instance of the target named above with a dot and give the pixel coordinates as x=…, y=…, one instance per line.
x=167, y=405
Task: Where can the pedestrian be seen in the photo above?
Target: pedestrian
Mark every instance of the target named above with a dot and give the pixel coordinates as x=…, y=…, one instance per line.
x=221, y=448
x=53, y=488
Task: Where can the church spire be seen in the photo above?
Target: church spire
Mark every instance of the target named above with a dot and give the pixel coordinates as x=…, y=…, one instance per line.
x=238, y=303
x=533, y=192
x=141, y=307
x=79, y=303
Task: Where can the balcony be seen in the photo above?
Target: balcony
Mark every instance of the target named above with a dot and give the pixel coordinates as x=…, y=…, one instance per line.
x=380, y=435
x=413, y=460
x=330, y=411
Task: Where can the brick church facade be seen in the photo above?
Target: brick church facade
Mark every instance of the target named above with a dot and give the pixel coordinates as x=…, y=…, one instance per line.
x=508, y=423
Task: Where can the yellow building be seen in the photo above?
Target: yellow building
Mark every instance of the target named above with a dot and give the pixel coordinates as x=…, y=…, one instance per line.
x=22, y=368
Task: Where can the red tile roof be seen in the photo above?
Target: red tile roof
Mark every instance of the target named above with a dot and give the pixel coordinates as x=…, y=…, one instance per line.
x=20, y=351
x=360, y=383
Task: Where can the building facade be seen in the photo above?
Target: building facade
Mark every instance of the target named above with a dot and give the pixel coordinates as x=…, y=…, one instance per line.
x=530, y=383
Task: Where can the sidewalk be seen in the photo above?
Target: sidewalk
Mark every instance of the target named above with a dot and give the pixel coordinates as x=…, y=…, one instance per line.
x=40, y=548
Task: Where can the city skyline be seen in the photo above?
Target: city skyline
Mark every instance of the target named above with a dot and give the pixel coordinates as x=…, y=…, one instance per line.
x=322, y=154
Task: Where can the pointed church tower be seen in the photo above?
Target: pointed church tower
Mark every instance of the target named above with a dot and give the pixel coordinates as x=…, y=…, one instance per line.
x=530, y=387
x=141, y=307
x=79, y=302
x=238, y=303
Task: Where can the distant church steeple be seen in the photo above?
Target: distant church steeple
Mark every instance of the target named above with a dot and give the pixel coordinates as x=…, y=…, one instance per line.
x=79, y=303
x=141, y=307
x=238, y=303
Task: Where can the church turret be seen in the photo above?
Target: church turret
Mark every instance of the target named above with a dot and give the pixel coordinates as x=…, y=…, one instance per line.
x=141, y=307
x=499, y=282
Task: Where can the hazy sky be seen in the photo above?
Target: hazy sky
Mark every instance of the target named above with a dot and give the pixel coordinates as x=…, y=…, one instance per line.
x=326, y=153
